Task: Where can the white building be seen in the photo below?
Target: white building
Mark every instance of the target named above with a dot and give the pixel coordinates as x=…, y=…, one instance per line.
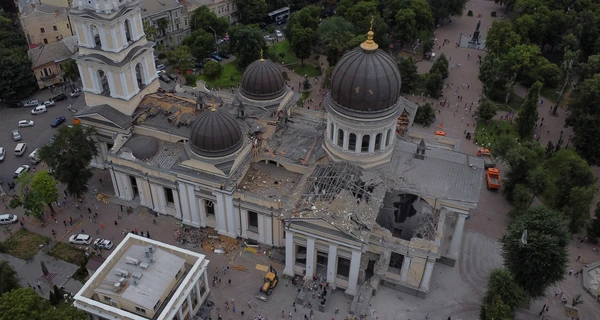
x=347, y=192
x=146, y=279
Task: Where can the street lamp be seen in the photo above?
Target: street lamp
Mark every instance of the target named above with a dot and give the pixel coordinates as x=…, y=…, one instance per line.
x=216, y=44
x=289, y=8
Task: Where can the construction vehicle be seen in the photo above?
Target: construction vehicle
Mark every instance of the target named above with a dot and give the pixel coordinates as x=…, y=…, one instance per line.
x=493, y=178
x=488, y=160
x=270, y=283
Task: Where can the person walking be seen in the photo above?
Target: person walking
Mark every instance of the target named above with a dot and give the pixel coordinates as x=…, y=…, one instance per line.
x=39, y=285
x=249, y=304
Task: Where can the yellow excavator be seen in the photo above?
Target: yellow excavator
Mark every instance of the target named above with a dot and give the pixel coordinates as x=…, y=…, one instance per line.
x=270, y=283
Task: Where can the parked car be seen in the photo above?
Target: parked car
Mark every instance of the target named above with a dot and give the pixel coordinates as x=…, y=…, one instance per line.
x=76, y=93
x=20, y=170
x=49, y=103
x=282, y=21
x=215, y=56
x=60, y=97
x=103, y=243
x=80, y=238
x=26, y=123
x=31, y=103
x=224, y=54
x=14, y=104
x=39, y=109
x=199, y=65
x=8, y=218
x=220, y=42
x=56, y=122
x=173, y=76
x=160, y=67
x=164, y=78
x=278, y=33
x=269, y=38
x=2, y=153
x=16, y=135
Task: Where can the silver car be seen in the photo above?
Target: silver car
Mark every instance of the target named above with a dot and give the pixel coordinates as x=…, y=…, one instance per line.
x=80, y=239
x=16, y=135
x=26, y=123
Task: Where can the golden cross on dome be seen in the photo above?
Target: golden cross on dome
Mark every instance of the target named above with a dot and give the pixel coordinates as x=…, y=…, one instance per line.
x=372, y=21
x=261, y=55
x=212, y=105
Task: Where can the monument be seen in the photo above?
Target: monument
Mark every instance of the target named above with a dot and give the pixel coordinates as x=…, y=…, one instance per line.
x=473, y=42
x=475, y=38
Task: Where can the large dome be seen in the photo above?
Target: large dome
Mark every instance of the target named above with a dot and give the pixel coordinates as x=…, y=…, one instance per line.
x=365, y=82
x=215, y=134
x=144, y=147
x=262, y=80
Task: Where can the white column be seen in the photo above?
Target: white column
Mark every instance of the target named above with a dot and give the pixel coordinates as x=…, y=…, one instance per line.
x=194, y=212
x=261, y=228
x=220, y=214
x=332, y=264
x=198, y=295
x=206, y=284
x=346, y=138
x=185, y=209
x=189, y=300
x=427, y=275
x=405, y=268
x=372, y=142
x=113, y=178
x=310, y=257
x=289, y=254
x=354, y=270
x=161, y=200
x=141, y=191
x=269, y=230
x=244, y=224
x=358, y=144
x=201, y=209
x=335, y=134
x=179, y=313
x=232, y=217
x=457, y=235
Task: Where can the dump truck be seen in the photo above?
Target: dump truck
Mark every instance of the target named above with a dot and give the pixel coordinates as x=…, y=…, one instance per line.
x=270, y=283
x=488, y=160
x=493, y=178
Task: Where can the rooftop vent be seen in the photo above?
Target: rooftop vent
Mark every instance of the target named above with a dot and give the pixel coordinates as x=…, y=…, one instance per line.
x=144, y=265
x=132, y=261
x=121, y=272
x=137, y=275
x=421, y=148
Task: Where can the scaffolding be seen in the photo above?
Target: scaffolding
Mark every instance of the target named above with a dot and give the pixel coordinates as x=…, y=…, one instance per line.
x=328, y=180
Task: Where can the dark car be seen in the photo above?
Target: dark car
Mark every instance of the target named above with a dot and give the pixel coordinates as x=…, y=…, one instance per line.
x=215, y=56
x=60, y=97
x=14, y=104
x=173, y=76
x=56, y=122
x=224, y=55
x=164, y=78
x=199, y=65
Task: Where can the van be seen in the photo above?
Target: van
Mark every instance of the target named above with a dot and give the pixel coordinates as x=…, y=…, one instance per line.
x=34, y=157
x=38, y=109
x=20, y=149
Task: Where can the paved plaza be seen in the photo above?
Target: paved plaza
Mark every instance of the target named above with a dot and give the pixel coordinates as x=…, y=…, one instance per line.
x=454, y=292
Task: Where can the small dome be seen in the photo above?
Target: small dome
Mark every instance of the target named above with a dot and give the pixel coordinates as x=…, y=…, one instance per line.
x=143, y=147
x=365, y=82
x=262, y=80
x=215, y=134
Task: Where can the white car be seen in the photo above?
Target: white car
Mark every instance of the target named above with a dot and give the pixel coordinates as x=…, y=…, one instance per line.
x=278, y=33
x=31, y=103
x=269, y=38
x=16, y=135
x=80, y=238
x=76, y=93
x=26, y=123
x=160, y=67
x=103, y=243
x=49, y=103
x=20, y=170
x=8, y=218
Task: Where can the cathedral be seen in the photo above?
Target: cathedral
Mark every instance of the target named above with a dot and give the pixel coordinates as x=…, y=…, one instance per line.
x=347, y=191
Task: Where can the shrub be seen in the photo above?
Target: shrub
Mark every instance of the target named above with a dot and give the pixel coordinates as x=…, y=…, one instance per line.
x=493, y=14
x=470, y=13
x=190, y=80
x=425, y=114
x=162, y=55
x=213, y=69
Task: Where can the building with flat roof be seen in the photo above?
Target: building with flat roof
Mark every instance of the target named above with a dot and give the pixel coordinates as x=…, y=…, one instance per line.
x=146, y=279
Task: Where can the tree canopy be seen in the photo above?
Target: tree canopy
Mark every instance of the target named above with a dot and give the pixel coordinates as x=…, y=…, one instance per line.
x=203, y=18
x=541, y=260
x=180, y=58
x=201, y=44
x=409, y=72
x=528, y=116
x=69, y=157
x=26, y=304
x=8, y=278
x=34, y=192
x=252, y=10
x=585, y=119
x=335, y=33
x=16, y=79
x=246, y=42
x=503, y=295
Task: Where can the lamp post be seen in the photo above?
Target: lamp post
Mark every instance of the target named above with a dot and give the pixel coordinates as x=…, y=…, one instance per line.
x=216, y=44
x=289, y=8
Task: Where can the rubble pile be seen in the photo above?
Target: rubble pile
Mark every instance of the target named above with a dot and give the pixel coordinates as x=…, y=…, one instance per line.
x=207, y=238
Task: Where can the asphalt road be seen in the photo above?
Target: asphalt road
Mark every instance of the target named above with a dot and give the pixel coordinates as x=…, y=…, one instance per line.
x=35, y=136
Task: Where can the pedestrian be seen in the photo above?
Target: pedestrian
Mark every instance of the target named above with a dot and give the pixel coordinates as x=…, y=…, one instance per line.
x=148, y=234
x=337, y=310
x=116, y=223
x=96, y=206
x=89, y=210
x=100, y=181
x=427, y=316
x=578, y=257
x=249, y=304
x=101, y=225
x=65, y=223
x=229, y=281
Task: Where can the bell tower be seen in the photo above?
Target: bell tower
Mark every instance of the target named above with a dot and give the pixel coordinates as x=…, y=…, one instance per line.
x=116, y=62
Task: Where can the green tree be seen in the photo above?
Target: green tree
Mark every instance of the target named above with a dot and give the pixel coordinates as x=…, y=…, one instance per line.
x=406, y=26
x=445, y=9
x=585, y=119
x=20, y=304
x=434, y=84
x=163, y=24
x=16, y=81
x=535, y=249
x=246, y=42
x=361, y=11
x=201, y=44
x=302, y=42
x=521, y=159
x=307, y=17
x=423, y=16
x=30, y=200
x=487, y=110
x=68, y=312
x=9, y=280
x=501, y=37
x=590, y=68
x=203, y=18
x=70, y=70
x=496, y=310
x=409, y=72
x=529, y=111
x=441, y=65
x=180, y=58
x=69, y=156
x=593, y=230
x=502, y=286
x=149, y=30
x=569, y=63
x=425, y=114
x=334, y=34
x=252, y=10
x=213, y=69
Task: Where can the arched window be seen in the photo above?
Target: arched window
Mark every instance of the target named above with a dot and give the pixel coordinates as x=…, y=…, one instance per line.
x=128, y=31
x=331, y=131
x=388, y=138
x=378, y=142
x=139, y=76
x=352, y=142
x=366, y=140
x=340, y=139
x=103, y=80
x=95, y=35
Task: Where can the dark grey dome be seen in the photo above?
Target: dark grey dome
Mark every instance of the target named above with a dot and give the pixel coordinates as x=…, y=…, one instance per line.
x=215, y=134
x=365, y=83
x=143, y=147
x=262, y=80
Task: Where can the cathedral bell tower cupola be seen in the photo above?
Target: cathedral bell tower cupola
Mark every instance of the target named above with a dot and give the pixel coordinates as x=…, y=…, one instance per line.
x=116, y=62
